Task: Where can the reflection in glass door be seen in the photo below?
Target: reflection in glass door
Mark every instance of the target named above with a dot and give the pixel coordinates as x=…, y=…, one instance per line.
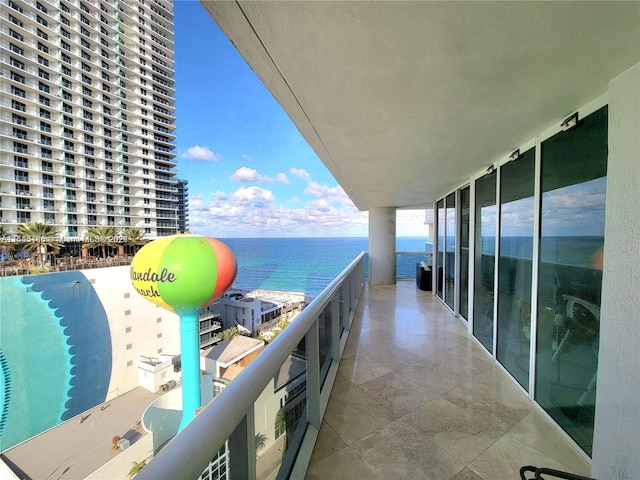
x=573, y=180
x=440, y=252
x=515, y=265
x=485, y=256
x=463, y=286
x=450, y=251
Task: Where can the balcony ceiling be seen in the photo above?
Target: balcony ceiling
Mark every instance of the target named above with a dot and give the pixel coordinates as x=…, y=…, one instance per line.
x=404, y=101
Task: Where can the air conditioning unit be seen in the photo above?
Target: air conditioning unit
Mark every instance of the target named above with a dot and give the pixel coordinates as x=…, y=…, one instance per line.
x=123, y=444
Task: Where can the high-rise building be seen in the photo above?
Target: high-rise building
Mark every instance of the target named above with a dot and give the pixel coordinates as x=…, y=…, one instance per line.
x=183, y=206
x=87, y=124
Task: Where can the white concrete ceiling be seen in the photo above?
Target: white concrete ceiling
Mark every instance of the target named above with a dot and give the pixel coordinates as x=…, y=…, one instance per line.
x=404, y=101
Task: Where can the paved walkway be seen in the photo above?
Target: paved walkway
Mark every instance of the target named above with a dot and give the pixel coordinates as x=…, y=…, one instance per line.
x=417, y=398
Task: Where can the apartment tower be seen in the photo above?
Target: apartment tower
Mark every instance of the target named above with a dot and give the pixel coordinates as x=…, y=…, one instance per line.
x=183, y=206
x=87, y=123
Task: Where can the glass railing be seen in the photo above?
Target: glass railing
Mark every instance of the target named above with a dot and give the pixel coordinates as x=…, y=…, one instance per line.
x=406, y=262
x=265, y=422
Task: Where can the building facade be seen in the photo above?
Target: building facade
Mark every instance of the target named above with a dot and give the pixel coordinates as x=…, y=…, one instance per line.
x=87, y=125
x=183, y=206
x=93, y=330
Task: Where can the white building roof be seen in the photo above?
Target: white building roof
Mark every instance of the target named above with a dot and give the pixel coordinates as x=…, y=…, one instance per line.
x=230, y=351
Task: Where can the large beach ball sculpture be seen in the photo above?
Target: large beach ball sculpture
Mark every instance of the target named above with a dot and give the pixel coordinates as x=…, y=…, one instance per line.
x=185, y=273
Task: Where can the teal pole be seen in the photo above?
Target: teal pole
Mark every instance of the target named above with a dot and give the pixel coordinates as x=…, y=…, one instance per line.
x=190, y=357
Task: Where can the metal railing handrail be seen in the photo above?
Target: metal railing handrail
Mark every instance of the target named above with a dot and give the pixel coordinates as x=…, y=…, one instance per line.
x=189, y=452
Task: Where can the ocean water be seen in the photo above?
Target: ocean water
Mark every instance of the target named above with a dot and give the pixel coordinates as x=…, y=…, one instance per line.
x=304, y=265
x=565, y=250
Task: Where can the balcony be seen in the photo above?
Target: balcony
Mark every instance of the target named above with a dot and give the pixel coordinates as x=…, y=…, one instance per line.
x=413, y=396
x=421, y=388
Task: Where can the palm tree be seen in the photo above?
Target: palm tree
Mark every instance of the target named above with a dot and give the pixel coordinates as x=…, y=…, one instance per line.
x=229, y=333
x=135, y=238
x=261, y=440
x=6, y=245
x=102, y=237
x=135, y=468
x=39, y=237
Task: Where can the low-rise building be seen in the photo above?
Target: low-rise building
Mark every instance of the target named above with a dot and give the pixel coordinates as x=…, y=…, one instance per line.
x=259, y=310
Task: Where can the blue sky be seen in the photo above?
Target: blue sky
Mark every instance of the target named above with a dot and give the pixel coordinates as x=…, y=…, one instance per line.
x=250, y=172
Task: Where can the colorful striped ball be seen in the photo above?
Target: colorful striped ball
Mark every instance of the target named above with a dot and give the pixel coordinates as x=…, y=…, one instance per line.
x=183, y=273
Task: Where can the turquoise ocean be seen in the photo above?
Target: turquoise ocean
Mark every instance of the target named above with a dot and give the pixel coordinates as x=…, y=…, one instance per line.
x=305, y=265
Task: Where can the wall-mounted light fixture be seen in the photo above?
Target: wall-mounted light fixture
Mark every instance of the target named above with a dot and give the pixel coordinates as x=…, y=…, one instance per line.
x=569, y=122
x=515, y=154
x=491, y=169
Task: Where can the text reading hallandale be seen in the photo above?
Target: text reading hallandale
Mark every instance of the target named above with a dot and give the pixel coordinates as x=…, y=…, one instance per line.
x=149, y=276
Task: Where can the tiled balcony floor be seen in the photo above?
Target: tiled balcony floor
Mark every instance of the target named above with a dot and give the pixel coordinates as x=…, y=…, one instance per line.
x=417, y=398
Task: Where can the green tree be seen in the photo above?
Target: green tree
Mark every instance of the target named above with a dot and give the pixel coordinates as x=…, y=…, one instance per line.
x=38, y=237
x=135, y=468
x=135, y=238
x=229, y=333
x=102, y=237
x=285, y=422
x=261, y=440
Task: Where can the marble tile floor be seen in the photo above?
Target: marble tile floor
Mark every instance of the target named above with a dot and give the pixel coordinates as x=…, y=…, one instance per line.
x=416, y=397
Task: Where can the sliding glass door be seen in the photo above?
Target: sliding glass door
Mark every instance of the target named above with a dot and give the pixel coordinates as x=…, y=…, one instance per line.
x=463, y=284
x=440, y=249
x=574, y=168
x=515, y=265
x=450, y=251
x=485, y=257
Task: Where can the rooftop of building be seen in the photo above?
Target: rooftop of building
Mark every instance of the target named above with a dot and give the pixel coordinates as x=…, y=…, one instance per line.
x=233, y=349
x=78, y=447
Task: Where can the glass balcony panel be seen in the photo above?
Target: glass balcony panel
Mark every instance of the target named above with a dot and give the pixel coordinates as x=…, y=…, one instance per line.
x=218, y=467
x=281, y=425
x=343, y=296
x=406, y=264
x=324, y=335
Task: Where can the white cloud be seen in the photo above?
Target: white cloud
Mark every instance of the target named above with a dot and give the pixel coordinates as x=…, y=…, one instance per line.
x=331, y=194
x=219, y=196
x=282, y=178
x=411, y=223
x=248, y=158
x=250, y=211
x=195, y=202
x=201, y=153
x=300, y=173
x=246, y=174
x=250, y=194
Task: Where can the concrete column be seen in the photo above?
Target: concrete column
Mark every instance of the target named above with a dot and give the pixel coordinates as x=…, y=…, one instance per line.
x=617, y=420
x=382, y=246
